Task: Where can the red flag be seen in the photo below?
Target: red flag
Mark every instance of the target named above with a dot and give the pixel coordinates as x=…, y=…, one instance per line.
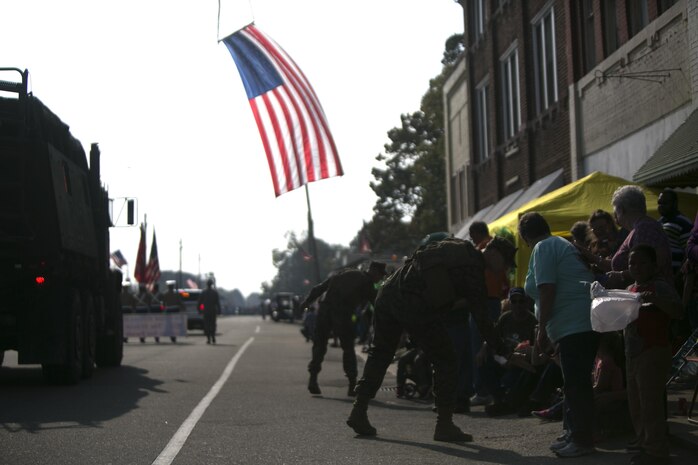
x=139, y=272
x=364, y=242
x=152, y=271
x=295, y=133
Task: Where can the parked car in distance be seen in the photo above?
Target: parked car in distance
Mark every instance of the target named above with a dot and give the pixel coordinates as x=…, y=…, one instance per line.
x=195, y=313
x=282, y=307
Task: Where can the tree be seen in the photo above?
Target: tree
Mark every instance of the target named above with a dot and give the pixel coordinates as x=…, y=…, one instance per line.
x=411, y=185
x=295, y=267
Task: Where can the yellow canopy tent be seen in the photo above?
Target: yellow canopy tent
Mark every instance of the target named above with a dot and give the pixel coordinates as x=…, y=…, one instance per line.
x=575, y=202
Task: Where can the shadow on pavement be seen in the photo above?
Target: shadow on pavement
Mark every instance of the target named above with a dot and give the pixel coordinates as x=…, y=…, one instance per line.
x=27, y=403
x=421, y=407
x=471, y=451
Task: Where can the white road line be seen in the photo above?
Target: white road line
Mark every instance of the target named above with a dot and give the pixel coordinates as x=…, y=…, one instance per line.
x=170, y=451
x=256, y=330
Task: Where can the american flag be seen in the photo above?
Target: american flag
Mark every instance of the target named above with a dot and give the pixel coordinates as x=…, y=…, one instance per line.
x=295, y=133
x=152, y=270
x=118, y=258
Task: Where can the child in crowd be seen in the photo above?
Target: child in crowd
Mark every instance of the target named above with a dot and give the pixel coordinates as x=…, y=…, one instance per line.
x=511, y=384
x=414, y=365
x=610, y=404
x=648, y=357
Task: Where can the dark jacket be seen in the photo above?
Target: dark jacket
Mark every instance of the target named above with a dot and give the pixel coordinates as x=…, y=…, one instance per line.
x=347, y=289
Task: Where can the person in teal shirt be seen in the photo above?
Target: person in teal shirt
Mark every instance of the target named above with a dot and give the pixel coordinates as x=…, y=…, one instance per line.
x=558, y=280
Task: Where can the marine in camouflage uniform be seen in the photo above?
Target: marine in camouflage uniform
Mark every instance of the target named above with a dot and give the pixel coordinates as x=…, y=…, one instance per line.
x=212, y=307
x=415, y=298
x=341, y=294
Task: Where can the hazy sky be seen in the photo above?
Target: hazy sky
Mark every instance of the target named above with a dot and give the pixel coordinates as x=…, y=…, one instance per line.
x=149, y=82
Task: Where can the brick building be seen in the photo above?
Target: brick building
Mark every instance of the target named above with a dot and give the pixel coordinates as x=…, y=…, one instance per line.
x=549, y=91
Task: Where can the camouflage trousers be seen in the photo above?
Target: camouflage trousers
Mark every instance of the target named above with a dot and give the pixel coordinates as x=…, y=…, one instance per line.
x=430, y=334
x=337, y=322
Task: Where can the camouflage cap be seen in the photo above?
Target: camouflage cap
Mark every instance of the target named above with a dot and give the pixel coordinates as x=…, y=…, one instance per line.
x=377, y=267
x=434, y=237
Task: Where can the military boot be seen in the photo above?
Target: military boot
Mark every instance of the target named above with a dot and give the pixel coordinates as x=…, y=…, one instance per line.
x=358, y=419
x=352, y=387
x=446, y=430
x=312, y=384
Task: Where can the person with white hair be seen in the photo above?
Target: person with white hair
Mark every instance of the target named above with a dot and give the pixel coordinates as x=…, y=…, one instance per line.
x=630, y=212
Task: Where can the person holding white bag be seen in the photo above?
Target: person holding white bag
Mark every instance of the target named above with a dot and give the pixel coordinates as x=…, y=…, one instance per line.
x=648, y=356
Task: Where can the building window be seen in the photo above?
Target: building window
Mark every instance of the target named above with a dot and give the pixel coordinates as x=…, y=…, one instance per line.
x=511, y=104
x=637, y=16
x=459, y=205
x=587, y=14
x=453, y=191
x=481, y=133
x=665, y=5
x=477, y=18
x=462, y=197
x=610, y=27
x=545, y=61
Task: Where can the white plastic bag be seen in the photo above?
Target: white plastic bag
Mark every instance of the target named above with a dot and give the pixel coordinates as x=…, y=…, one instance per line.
x=612, y=309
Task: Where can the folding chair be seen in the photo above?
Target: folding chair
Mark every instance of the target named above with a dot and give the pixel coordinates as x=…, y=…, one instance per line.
x=687, y=353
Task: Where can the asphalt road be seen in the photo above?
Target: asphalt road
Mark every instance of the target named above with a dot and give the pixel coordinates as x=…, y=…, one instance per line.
x=244, y=401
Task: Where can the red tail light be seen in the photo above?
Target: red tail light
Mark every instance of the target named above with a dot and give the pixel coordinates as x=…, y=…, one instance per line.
x=40, y=280
x=201, y=307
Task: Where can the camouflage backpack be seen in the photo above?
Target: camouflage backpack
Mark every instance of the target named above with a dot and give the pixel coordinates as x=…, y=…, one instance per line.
x=444, y=267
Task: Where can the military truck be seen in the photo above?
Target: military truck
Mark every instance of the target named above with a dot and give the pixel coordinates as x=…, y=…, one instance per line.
x=59, y=299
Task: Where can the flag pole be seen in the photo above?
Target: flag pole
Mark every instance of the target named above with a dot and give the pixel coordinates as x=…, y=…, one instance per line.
x=311, y=238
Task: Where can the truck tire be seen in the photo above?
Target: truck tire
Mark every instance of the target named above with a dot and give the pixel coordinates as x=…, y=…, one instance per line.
x=70, y=371
x=110, y=342
x=89, y=334
x=110, y=346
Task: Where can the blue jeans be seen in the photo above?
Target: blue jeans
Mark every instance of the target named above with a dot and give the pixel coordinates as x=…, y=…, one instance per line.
x=577, y=355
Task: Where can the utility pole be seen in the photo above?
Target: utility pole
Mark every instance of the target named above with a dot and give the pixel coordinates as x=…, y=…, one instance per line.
x=311, y=240
x=179, y=283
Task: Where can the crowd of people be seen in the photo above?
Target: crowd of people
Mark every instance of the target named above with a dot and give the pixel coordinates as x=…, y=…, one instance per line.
x=528, y=350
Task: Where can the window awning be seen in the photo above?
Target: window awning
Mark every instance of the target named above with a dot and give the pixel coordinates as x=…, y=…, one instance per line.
x=513, y=201
x=675, y=163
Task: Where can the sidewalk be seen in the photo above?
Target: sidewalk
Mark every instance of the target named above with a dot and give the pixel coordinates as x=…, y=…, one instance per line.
x=681, y=431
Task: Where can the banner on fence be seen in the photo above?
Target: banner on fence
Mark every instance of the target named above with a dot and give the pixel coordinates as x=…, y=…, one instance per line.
x=155, y=325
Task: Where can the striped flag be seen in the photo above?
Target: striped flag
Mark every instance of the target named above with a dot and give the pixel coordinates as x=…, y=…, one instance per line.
x=152, y=270
x=118, y=258
x=295, y=134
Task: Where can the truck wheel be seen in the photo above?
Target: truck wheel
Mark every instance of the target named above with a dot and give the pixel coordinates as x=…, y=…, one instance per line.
x=89, y=336
x=110, y=344
x=70, y=371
